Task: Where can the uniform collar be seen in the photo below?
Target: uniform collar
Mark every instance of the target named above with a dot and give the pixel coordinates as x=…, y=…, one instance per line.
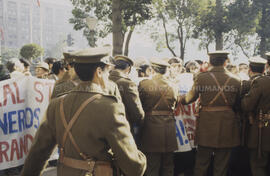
x=217, y=69
x=88, y=86
x=118, y=73
x=255, y=75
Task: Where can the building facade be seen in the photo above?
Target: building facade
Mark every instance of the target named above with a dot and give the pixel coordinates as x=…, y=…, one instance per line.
x=43, y=22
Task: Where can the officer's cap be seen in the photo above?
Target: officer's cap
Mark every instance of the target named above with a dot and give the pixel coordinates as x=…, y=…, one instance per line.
x=90, y=56
x=159, y=63
x=219, y=54
x=124, y=58
x=43, y=65
x=257, y=61
x=268, y=57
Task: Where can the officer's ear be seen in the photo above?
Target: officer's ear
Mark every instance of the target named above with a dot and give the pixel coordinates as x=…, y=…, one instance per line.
x=99, y=72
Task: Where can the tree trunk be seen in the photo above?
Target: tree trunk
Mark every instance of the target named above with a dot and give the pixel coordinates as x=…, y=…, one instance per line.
x=263, y=22
x=118, y=36
x=219, y=41
x=166, y=37
x=180, y=34
x=128, y=40
x=218, y=31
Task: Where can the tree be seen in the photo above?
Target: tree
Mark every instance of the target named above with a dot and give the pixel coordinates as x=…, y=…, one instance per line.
x=127, y=13
x=8, y=53
x=212, y=21
x=262, y=7
x=31, y=51
x=179, y=15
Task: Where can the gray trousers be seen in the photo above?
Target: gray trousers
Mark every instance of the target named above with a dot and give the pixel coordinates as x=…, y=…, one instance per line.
x=258, y=165
x=159, y=164
x=203, y=159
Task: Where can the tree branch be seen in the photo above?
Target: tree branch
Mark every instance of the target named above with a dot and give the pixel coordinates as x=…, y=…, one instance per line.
x=128, y=40
x=166, y=36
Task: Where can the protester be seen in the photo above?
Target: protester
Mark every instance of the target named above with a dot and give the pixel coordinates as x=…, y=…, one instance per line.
x=50, y=61
x=42, y=70
x=243, y=71
x=26, y=65
x=3, y=73
x=15, y=68
x=192, y=67
x=58, y=70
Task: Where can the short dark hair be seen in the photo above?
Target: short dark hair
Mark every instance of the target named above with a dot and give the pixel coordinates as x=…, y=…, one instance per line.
x=3, y=73
x=57, y=66
x=50, y=60
x=86, y=71
x=217, y=61
x=199, y=61
x=256, y=69
x=142, y=69
x=25, y=62
x=10, y=66
x=161, y=70
x=121, y=65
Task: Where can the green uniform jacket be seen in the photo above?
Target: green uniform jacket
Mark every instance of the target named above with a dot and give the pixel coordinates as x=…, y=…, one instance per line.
x=101, y=126
x=130, y=96
x=158, y=133
x=216, y=129
x=258, y=98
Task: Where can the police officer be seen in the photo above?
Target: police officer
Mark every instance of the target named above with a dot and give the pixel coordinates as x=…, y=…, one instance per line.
x=268, y=63
x=68, y=81
x=128, y=89
x=257, y=103
x=86, y=124
x=159, y=96
x=217, y=126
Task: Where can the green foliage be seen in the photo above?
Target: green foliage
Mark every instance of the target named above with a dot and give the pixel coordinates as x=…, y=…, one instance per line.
x=135, y=12
x=177, y=18
x=8, y=53
x=31, y=51
x=262, y=10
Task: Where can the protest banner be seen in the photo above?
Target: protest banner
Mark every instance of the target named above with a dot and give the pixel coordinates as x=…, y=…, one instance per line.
x=185, y=116
x=23, y=102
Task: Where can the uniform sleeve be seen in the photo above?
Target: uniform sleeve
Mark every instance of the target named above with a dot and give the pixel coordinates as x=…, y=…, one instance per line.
x=130, y=160
x=42, y=146
x=251, y=99
x=192, y=95
x=133, y=103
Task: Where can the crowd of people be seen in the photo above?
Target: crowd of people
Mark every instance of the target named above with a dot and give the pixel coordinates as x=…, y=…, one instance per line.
x=119, y=110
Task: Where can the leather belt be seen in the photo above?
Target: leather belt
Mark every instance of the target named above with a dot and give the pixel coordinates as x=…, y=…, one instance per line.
x=216, y=108
x=84, y=165
x=160, y=113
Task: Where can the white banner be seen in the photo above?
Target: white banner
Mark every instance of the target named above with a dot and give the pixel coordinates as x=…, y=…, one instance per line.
x=185, y=116
x=23, y=102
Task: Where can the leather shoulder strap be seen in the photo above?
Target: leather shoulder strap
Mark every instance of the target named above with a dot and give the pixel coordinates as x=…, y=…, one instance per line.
x=69, y=125
x=220, y=89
